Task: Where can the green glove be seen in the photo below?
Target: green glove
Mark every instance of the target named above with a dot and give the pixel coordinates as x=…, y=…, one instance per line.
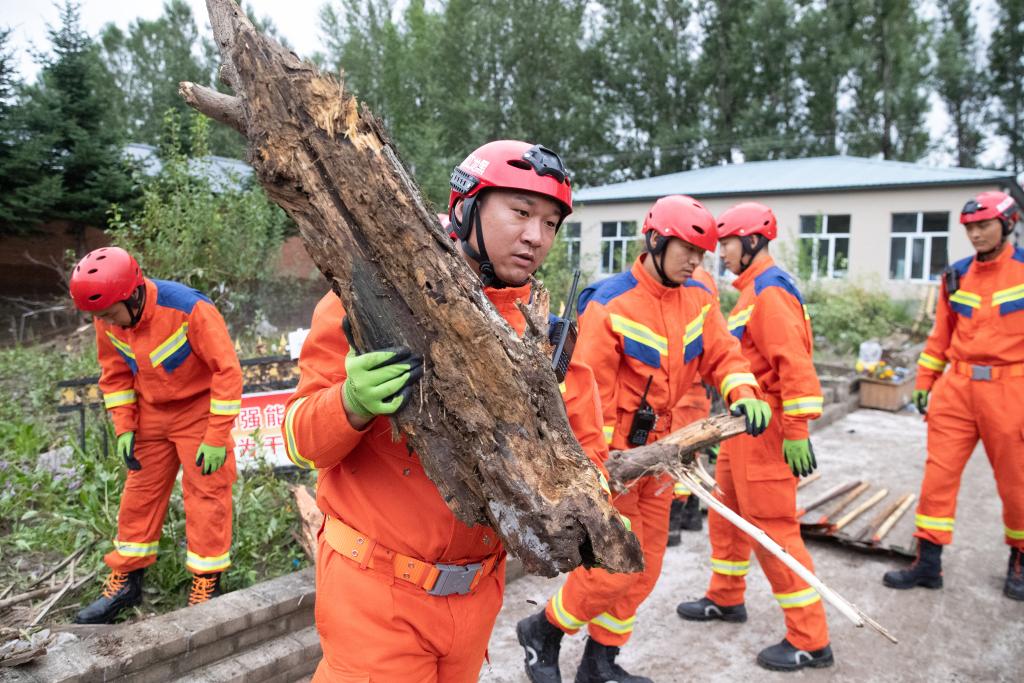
x=210, y=458
x=712, y=453
x=920, y=399
x=799, y=456
x=757, y=412
x=380, y=382
x=126, y=451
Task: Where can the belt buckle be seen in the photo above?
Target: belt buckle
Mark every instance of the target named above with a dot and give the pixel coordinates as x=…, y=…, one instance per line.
x=455, y=579
x=981, y=373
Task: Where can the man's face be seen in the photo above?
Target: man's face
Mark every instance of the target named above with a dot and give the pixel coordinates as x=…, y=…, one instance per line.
x=681, y=259
x=115, y=315
x=519, y=229
x=731, y=251
x=985, y=235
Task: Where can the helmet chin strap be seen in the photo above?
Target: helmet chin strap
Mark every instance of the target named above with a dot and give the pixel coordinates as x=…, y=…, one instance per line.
x=471, y=221
x=657, y=252
x=750, y=252
x=135, y=303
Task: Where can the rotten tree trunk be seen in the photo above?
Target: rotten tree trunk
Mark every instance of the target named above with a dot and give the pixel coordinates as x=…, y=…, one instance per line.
x=489, y=424
x=673, y=451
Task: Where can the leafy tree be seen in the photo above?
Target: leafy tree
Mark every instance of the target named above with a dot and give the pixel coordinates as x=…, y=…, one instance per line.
x=1006, y=58
x=215, y=236
x=959, y=78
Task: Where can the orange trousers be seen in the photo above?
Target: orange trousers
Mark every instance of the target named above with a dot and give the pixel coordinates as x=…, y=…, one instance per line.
x=960, y=412
x=166, y=441
x=755, y=481
x=374, y=627
x=605, y=602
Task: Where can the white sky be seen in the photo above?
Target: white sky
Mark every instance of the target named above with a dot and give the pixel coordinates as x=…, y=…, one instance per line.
x=298, y=21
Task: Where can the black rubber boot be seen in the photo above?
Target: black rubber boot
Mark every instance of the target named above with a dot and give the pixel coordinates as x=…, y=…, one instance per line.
x=598, y=666
x=205, y=587
x=926, y=570
x=692, y=518
x=541, y=641
x=121, y=590
x=1014, y=586
x=675, y=524
x=785, y=657
x=706, y=610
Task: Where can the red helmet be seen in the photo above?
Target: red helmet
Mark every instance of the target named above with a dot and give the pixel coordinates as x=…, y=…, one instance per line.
x=514, y=165
x=684, y=217
x=991, y=204
x=748, y=218
x=105, y=276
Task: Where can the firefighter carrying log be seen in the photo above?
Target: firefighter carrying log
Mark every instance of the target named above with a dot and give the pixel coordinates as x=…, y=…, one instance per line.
x=970, y=381
x=173, y=386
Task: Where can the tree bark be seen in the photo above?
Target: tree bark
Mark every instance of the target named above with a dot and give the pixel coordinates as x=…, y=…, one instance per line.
x=489, y=424
x=673, y=451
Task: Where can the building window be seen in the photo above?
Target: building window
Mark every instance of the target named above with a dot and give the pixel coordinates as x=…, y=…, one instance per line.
x=824, y=246
x=919, y=245
x=616, y=240
x=572, y=242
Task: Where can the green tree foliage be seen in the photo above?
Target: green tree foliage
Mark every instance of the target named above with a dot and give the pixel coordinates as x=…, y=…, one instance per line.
x=64, y=156
x=960, y=80
x=1006, y=55
x=890, y=98
x=197, y=227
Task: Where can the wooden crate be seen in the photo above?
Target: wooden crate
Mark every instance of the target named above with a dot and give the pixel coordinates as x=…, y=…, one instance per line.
x=885, y=395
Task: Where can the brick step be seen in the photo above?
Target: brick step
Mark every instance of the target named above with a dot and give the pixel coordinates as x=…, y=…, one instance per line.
x=291, y=657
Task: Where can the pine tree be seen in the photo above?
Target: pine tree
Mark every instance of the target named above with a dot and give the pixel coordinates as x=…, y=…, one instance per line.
x=1006, y=58
x=959, y=78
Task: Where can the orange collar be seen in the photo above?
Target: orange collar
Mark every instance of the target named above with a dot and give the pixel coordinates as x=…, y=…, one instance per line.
x=755, y=269
x=649, y=284
x=1005, y=255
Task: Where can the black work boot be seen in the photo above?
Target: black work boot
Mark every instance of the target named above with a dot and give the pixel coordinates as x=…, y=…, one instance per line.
x=925, y=571
x=692, y=519
x=675, y=524
x=598, y=666
x=785, y=657
x=706, y=610
x=204, y=588
x=541, y=641
x=1014, y=586
x=121, y=590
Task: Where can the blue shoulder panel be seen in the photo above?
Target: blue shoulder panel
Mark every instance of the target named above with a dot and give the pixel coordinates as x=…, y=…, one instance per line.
x=1018, y=254
x=178, y=296
x=962, y=265
x=605, y=290
x=777, y=277
x=697, y=283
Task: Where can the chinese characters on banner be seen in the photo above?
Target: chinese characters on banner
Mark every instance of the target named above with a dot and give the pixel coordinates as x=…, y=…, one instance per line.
x=258, y=431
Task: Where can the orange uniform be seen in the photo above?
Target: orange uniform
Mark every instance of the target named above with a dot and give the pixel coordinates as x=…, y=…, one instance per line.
x=979, y=338
x=175, y=381
x=632, y=328
x=375, y=616
x=774, y=330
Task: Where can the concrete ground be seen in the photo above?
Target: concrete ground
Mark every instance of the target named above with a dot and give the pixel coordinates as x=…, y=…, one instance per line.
x=968, y=631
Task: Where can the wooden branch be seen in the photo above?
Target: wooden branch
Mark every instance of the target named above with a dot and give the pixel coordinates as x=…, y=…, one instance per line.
x=28, y=595
x=489, y=426
x=216, y=105
x=673, y=451
x=226, y=74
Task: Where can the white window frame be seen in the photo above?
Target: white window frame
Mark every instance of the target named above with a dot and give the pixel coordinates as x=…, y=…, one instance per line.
x=573, y=244
x=623, y=246
x=826, y=236
x=908, y=248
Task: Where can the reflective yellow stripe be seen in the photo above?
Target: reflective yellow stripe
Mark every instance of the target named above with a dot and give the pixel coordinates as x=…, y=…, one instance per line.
x=740, y=318
x=680, y=489
x=563, y=617
x=609, y=432
x=120, y=345
x=225, y=407
x=737, y=379
x=729, y=567
x=1004, y=296
x=966, y=298
x=804, y=405
x=118, y=398
x=930, y=362
x=807, y=314
x=207, y=564
x=617, y=626
x=169, y=346
x=695, y=326
x=1015, y=534
x=933, y=523
x=561, y=387
x=626, y=522
x=289, y=437
x=807, y=596
x=641, y=333
x=604, y=483
x=136, y=549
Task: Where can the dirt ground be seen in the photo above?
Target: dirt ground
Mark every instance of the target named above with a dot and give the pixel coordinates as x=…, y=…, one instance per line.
x=968, y=631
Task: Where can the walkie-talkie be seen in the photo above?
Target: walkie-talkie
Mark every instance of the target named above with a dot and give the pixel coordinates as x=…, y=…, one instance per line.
x=644, y=419
x=952, y=279
x=563, y=333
